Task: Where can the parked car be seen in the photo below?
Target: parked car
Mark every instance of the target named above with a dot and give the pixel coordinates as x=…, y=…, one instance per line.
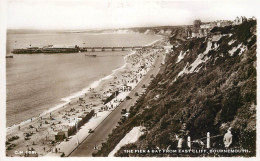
x=123, y=111
x=128, y=98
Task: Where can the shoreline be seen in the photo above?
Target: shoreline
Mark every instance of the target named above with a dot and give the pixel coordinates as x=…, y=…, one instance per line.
x=67, y=99
x=71, y=100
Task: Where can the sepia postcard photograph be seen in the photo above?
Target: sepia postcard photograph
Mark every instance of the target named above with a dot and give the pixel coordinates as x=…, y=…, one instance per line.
x=158, y=79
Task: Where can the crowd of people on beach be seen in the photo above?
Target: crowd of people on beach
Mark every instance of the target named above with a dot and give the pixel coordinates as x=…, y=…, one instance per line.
x=40, y=132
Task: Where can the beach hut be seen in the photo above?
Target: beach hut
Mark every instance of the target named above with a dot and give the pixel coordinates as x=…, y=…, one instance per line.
x=60, y=136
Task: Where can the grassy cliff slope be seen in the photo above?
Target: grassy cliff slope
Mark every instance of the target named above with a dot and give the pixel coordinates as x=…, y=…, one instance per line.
x=208, y=83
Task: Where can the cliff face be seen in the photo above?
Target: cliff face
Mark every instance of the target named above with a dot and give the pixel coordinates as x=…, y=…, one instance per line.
x=208, y=83
x=171, y=31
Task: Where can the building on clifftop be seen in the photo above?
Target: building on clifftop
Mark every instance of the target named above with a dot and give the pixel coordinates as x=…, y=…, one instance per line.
x=239, y=20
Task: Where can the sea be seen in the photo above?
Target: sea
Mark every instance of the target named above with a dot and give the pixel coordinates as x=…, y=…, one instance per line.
x=37, y=83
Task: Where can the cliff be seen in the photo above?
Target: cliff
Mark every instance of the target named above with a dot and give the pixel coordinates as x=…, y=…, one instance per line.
x=207, y=83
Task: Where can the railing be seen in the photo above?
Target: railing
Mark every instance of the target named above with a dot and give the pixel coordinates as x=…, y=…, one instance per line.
x=208, y=140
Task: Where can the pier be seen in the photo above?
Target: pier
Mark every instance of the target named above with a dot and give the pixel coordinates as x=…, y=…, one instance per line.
x=76, y=49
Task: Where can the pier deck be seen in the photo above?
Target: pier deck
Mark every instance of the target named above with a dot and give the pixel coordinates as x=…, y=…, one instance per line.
x=77, y=49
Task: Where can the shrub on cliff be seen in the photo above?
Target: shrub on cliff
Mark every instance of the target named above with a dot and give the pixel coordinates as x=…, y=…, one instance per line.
x=222, y=30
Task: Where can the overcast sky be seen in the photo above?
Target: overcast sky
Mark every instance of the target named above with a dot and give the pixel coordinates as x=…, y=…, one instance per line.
x=98, y=14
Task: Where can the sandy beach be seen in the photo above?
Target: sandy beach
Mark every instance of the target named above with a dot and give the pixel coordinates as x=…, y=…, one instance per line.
x=38, y=136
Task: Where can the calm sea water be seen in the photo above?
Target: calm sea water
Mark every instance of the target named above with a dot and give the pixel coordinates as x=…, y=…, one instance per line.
x=37, y=82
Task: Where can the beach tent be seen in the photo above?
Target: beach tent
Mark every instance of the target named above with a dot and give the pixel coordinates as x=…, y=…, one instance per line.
x=60, y=136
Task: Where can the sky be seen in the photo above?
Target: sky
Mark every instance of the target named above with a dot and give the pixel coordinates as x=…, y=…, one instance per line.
x=103, y=14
